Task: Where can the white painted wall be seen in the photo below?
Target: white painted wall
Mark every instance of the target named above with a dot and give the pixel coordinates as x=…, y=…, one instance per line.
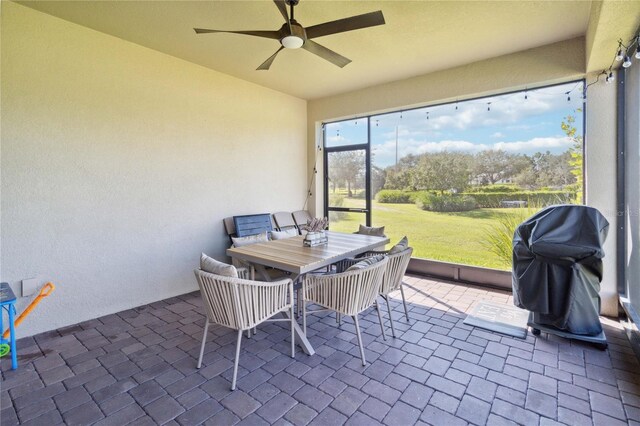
x=558, y=62
x=119, y=163
x=600, y=177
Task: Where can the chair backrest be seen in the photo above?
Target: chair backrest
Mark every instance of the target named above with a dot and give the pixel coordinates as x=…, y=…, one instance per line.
x=241, y=304
x=229, y=227
x=349, y=292
x=284, y=220
x=301, y=217
x=395, y=270
x=252, y=224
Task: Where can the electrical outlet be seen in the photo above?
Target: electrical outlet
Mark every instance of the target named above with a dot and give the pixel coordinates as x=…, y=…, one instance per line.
x=29, y=286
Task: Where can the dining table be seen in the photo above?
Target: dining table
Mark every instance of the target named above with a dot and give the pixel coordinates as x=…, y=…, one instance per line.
x=292, y=256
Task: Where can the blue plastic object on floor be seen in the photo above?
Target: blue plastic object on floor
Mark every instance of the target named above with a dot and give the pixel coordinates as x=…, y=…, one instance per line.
x=8, y=304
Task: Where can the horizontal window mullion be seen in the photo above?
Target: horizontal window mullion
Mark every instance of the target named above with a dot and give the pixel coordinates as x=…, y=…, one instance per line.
x=347, y=209
x=358, y=147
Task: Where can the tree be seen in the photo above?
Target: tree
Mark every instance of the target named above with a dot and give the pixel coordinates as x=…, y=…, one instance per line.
x=444, y=171
x=346, y=168
x=492, y=166
x=378, y=179
x=402, y=175
x=546, y=169
x=576, y=159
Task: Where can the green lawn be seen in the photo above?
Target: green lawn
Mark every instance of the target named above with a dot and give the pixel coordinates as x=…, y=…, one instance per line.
x=450, y=237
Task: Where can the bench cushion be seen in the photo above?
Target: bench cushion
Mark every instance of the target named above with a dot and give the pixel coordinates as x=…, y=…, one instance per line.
x=251, y=239
x=285, y=233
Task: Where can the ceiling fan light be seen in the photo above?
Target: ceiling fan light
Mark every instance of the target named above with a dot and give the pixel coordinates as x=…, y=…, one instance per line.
x=292, y=42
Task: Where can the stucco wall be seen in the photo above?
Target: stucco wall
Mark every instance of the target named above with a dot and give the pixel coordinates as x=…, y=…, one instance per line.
x=119, y=163
x=600, y=177
x=562, y=61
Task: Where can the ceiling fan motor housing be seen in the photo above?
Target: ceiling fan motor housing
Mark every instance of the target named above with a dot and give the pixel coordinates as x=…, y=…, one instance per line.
x=295, y=38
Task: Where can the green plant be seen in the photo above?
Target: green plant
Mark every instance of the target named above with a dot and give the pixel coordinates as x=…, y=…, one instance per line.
x=537, y=198
x=396, y=196
x=503, y=188
x=336, y=200
x=498, y=237
x=445, y=202
x=576, y=160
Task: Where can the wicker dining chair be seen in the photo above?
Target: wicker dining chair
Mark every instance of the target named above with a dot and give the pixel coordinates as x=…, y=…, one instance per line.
x=392, y=281
x=242, y=304
x=347, y=293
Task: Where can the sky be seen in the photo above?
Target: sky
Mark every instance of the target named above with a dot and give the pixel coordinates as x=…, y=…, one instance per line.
x=508, y=122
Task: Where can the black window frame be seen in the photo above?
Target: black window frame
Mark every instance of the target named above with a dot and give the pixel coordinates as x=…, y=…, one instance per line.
x=355, y=147
x=367, y=148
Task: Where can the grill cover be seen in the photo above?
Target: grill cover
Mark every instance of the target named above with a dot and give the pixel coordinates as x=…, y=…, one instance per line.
x=557, y=267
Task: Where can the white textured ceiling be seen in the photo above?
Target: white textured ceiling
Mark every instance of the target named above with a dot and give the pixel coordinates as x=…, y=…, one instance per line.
x=419, y=36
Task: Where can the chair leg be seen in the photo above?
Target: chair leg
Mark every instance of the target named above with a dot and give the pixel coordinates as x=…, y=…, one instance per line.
x=304, y=316
x=338, y=319
x=293, y=334
x=204, y=340
x=404, y=302
x=235, y=362
x=384, y=336
x=393, y=330
x=249, y=334
x=355, y=319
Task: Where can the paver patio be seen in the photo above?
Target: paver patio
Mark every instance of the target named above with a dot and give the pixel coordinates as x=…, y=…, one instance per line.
x=138, y=366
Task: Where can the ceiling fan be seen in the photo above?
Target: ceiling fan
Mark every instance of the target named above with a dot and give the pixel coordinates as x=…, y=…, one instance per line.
x=292, y=35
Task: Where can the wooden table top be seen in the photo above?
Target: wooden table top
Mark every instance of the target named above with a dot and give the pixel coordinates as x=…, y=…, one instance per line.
x=290, y=254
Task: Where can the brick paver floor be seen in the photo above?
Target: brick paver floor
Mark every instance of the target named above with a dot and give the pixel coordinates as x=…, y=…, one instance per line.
x=138, y=367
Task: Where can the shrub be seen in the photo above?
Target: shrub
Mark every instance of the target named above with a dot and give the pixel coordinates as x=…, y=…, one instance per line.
x=494, y=188
x=396, y=196
x=536, y=198
x=498, y=238
x=336, y=200
x=445, y=203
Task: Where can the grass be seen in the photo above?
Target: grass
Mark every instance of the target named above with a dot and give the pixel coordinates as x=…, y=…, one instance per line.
x=450, y=237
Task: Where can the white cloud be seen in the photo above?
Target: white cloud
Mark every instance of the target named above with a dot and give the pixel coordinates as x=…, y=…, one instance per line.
x=497, y=135
x=535, y=144
x=505, y=110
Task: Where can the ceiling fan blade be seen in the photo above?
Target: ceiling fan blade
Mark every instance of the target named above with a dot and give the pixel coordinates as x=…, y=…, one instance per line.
x=347, y=24
x=266, y=64
x=264, y=34
x=324, y=53
x=282, y=7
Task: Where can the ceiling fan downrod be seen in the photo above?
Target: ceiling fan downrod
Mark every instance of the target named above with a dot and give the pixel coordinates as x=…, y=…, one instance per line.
x=291, y=4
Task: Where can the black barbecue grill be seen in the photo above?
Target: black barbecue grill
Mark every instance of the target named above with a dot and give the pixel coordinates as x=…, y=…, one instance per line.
x=557, y=270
